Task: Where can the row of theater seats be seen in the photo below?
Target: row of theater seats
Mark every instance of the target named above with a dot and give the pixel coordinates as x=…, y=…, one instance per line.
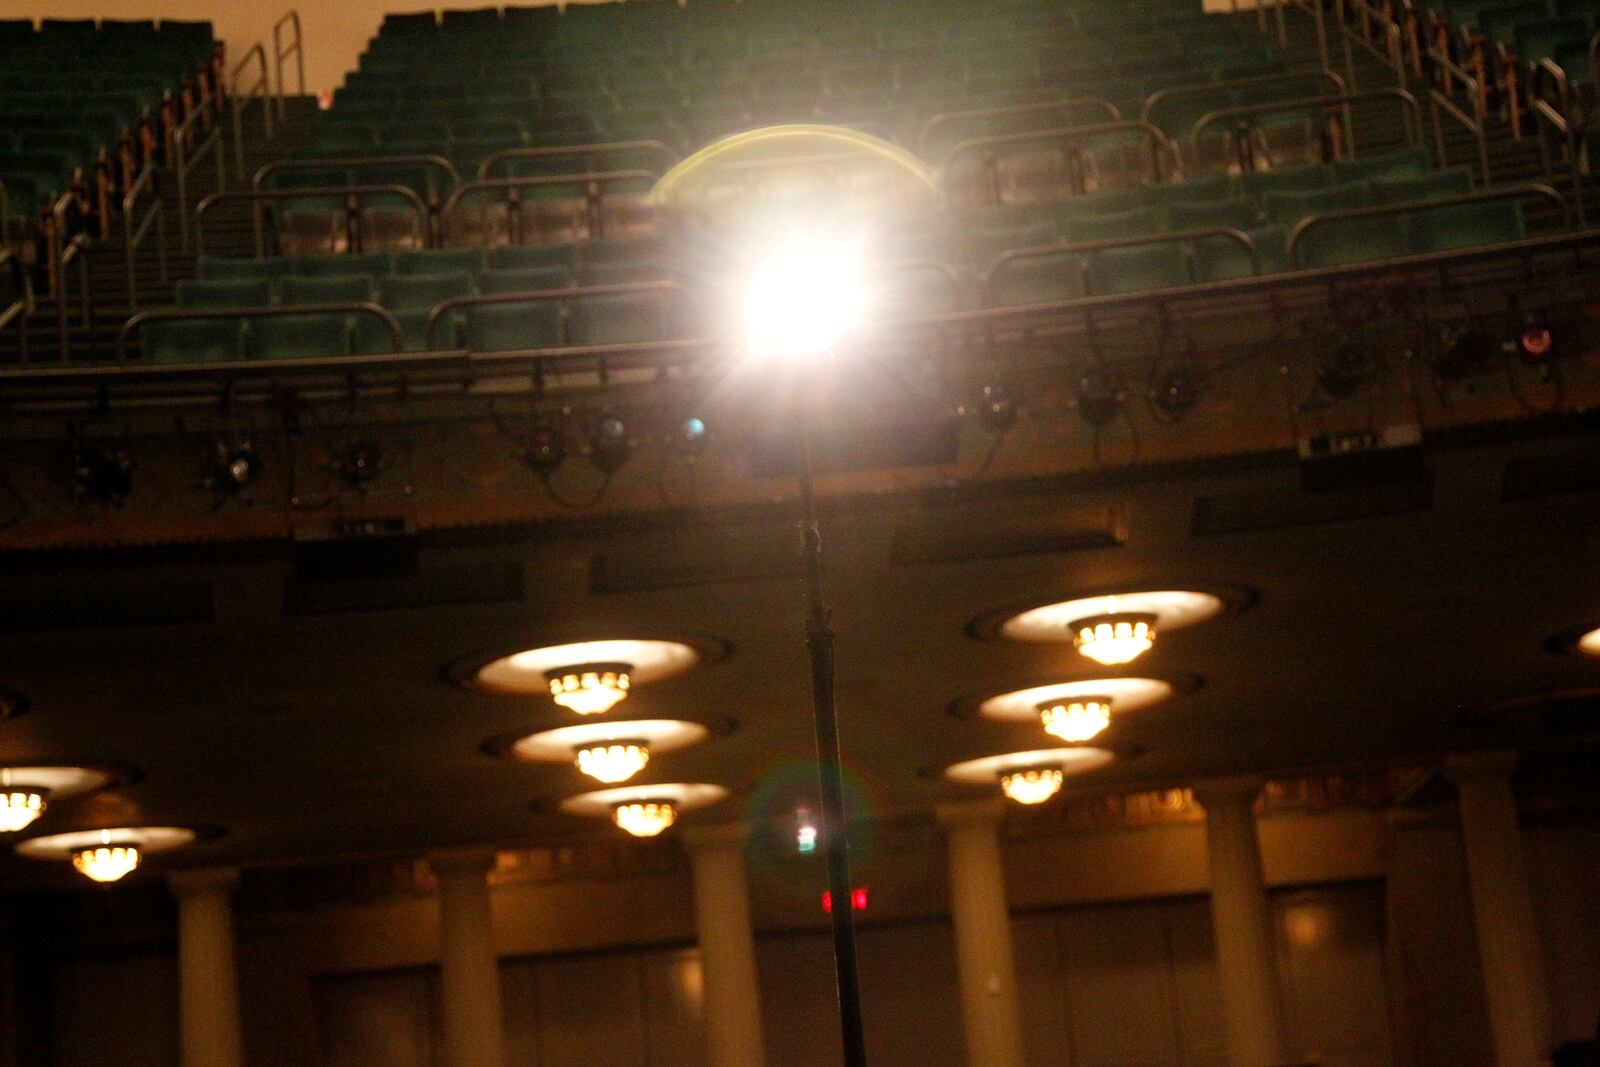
x=1524, y=31
x=70, y=88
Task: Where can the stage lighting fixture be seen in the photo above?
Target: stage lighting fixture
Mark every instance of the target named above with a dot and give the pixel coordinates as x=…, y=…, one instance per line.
x=803, y=297
x=1537, y=341
x=102, y=473
x=545, y=451
x=997, y=410
x=690, y=436
x=1099, y=396
x=232, y=468
x=360, y=463
x=1344, y=371
x=1177, y=390
x=609, y=446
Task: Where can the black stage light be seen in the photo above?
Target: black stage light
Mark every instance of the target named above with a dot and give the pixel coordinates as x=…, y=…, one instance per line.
x=1099, y=396
x=1344, y=371
x=102, y=473
x=232, y=468
x=1177, y=390
x=997, y=409
x=360, y=462
x=609, y=446
x=546, y=450
x=1538, y=341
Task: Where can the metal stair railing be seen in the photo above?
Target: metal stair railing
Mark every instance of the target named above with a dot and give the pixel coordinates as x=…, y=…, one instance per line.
x=260, y=89
x=1440, y=101
x=134, y=233
x=184, y=162
x=282, y=51
x=20, y=308
x=1552, y=116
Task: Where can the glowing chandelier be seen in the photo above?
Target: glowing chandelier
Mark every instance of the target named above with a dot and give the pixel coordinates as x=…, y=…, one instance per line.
x=1115, y=639
x=1077, y=719
x=645, y=818
x=589, y=688
x=613, y=761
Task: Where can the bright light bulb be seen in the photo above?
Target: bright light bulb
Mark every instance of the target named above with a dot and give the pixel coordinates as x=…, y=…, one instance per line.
x=589, y=688
x=18, y=808
x=1115, y=639
x=613, y=761
x=1076, y=720
x=1032, y=785
x=106, y=862
x=804, y=296
x=645, y=818
x=1589, y=643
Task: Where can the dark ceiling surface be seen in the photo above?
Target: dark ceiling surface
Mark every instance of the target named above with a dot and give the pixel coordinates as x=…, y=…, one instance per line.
x=1370, y=642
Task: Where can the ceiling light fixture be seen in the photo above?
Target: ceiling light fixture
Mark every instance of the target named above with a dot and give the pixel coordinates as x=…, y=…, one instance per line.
x=108, y=861
x=613, y=761
x=25, y=792
x=1032, y=785
x=589, y=688
x=1079, y=719
x=19, y=808
x=1589, y=643
x=1117, y=638
x=645, y=818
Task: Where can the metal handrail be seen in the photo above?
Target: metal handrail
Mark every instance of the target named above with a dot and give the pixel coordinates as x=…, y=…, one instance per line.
x=1391, y=56
x=532, y=296
x=1474, y=124
x=18, y=310
x=593, y=184
x=1187, y=237
x=280, y=53
x=324, y=162
x=1159, y=143
x=357, y=307
x=1515, y=191
x=1314, y=9
x=257, y=195
x=261, y=87
x=1076, y=103
x=1411, y=109
x=134, y=235
x=583, y=151
x=63, y=255
x=1594, y=58
x=1253, y=82
x=1553, y=116
x=183, y=163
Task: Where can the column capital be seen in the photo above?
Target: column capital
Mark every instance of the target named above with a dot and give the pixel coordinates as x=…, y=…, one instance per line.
x=989, y=813
x=714, y=835
x=1234, y=787
x=462, y=861
x=201, y=880
x=1488, y=763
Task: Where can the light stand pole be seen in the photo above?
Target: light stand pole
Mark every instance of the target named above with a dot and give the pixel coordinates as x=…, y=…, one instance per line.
x=830, y=771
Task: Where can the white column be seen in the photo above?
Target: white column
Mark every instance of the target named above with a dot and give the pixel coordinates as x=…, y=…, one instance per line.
x=208, y=984
x=984, y=960
x=469, y=972
x=727, y=946
x=1502, y=907
x=1242, y=923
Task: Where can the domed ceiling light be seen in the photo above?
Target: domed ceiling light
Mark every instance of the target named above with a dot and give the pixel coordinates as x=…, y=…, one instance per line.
x=1114, y=629
x=610, y=752
x=587, y=677
x=1030, y=777
x=645, y=810
x=108, y=854
x=1078, y=710
x=1589, y=643
x=25, y=791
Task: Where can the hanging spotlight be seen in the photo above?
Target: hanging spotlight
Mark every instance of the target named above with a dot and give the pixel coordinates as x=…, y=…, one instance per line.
x=1177, y=390
x=1344, y=371
x=613, y=761
x=689, y=437
x=102, y=473
x=19, y=808
x=546, y=450
x=360, y=463
x=609, y=446
x=1032, y=785
x=230, y=469
x=805, y=835
x=1078, y=719
x=1538, y=340
x=645, y=818
x=997, y=409
x=589, y=688
x=1100, y=396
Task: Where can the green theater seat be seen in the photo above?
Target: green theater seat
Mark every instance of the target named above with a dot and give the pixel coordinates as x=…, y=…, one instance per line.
x=505, y=327
x=1037, y=280
x=326, y=289
x=1362, y=239
x=191, y=340
x=1403, y=163
x=372, y=264
x=412, y=296
x=1457, y=181
x=1489, y=222
x=299, y=336
x=1138, y=269
x=225, y=268
x=1219, y=259
x=440, y=260
x=1112, y=226
x=1286, y=179
x=517, y=257
x=525, y=279
x=1287, y=206
x=619, y=320
x=1239, y=212
x=230, y=293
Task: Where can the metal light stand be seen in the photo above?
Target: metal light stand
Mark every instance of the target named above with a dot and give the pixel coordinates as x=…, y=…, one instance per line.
x=830, y=772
